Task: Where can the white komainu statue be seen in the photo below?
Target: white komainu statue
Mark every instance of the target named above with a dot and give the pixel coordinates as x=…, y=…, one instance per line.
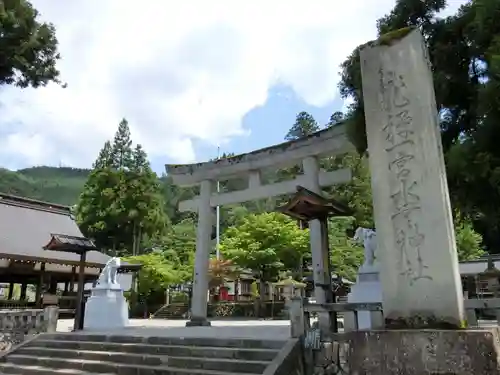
x=368, y=237
x=108, y=274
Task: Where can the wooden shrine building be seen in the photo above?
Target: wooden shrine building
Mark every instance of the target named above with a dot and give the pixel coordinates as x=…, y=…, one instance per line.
x=304, y=206
x=40, y=254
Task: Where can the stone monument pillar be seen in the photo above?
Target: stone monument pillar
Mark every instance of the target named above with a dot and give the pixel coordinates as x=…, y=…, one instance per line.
x=106, y=307
x=421, y=286
x=418, y=257
x=367, y=288
x=202, y=258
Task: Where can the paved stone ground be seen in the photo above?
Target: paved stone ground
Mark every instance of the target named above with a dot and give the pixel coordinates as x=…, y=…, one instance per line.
x=224, y=328
x=260, y=329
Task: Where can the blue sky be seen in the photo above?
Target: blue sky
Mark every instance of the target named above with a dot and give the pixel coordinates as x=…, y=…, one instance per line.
x=268, y=124
x=187, y=76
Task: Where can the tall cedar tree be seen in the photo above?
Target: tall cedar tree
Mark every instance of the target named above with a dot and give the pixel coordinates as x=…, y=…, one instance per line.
x=121, y=151
x=121, y=201
x=305, y=124
x=104, y=158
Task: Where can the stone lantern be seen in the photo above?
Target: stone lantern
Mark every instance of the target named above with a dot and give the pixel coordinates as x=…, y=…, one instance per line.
x=291, y=287
x=492, y=276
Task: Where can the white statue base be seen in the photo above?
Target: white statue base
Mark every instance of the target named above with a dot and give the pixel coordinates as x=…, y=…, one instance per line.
x=367, y=289
x=106, y=309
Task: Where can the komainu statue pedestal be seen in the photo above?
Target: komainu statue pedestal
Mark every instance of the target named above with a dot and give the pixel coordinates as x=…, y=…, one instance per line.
x=367, y=289
x=106, y=309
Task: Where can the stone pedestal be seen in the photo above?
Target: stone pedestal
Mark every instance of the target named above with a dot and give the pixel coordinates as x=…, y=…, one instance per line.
x=424, y=352
x=106, y=309
x=367, y=289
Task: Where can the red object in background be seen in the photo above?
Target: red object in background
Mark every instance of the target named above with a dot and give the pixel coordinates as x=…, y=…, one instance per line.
x=223, y=293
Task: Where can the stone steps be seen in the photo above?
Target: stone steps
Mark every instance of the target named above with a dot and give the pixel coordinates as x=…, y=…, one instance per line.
x=11, y=368
x=15, y=369
x=70, y=353
x=125, y=349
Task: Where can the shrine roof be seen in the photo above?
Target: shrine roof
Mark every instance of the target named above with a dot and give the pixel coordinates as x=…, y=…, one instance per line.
x=70, y=244
x=329, y=141
x=306, y=205
x=27, y=225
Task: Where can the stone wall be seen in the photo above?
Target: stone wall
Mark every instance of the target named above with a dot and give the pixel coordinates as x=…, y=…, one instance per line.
x=424, y=352
x=289, y=360
x=17, y=325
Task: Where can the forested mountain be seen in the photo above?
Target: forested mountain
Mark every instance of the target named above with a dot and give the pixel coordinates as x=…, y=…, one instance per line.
x=51, y=184
x=64, y=185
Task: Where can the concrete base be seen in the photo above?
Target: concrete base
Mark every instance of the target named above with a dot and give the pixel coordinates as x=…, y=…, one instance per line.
x=106, y=309
x=198, y=322
x=367, y=289
x=424, y=352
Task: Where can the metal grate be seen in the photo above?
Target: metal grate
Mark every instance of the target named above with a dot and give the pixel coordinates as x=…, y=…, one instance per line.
x=327, y=357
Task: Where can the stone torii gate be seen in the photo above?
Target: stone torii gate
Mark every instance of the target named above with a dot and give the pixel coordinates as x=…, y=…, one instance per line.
x=305, y=151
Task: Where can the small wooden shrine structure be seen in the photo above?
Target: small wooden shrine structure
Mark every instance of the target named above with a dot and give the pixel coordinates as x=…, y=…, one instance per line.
x=305, y=206
x=43, y=250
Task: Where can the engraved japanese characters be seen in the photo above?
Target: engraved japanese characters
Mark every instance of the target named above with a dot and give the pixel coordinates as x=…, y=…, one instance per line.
x=417, y=256
x=406, y=212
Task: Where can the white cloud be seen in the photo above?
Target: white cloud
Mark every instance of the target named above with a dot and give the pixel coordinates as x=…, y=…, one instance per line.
x=176, y=70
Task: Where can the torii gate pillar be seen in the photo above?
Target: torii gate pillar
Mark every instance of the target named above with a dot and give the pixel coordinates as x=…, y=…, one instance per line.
x=202, y=258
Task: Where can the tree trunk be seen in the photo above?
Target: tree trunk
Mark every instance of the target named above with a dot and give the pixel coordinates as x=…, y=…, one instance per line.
x=236, y=289
x=136, y=236
x=262, y=295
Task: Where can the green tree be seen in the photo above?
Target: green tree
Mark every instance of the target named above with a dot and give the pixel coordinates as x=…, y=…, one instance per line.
x=345, y=255
x=143, y=205
x=173, y=194
x=28, y=48
x=97, y=210
x=357, y=193
x=104, y=158
x=335, y=118
x=122, y=203
x=305, y=124
x=267, y=244
x=98, y=207
x=156, y=274
x=178, y=246
x=469, y=242
x=181, y=240
x=121, y=151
